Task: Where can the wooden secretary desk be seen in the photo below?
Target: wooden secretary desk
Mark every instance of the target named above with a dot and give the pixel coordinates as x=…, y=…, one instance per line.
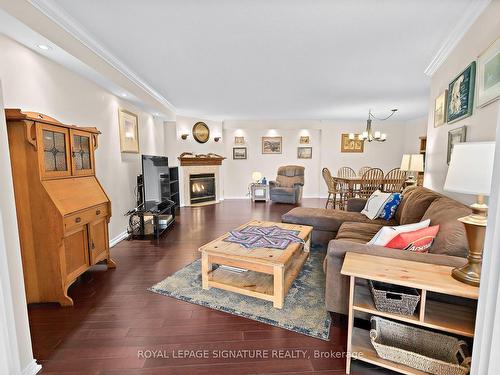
x=62, y=210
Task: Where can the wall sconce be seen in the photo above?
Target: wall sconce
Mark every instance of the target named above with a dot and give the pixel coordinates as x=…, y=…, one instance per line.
x=216, y=139
x=184, y=136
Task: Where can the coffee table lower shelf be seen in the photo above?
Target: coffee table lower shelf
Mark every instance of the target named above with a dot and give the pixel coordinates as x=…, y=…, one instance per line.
x=361, y=344
x=266, y=286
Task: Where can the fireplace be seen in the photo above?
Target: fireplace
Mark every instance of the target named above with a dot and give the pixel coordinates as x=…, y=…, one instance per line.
x=201, y=187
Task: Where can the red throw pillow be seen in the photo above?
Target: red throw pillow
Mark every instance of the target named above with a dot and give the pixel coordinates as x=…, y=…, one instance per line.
x=418, y=241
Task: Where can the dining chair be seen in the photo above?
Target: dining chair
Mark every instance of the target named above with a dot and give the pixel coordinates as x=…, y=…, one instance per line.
x=370, y=181
x=346, y=172
x=332, y=188
x=363, y=170
x=394, y=181
x=343, y=187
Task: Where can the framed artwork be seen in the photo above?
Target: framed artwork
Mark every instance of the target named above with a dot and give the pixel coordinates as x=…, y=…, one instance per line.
x=272, y=145
x=239, y=153
x=351, y=145
x=488, y=76
x=201, y=132
x=304, y=152
x=455, y=136
x=129, y=131
x=461, y=94
x=239, y=140
x=440, y=109
x=304, y=140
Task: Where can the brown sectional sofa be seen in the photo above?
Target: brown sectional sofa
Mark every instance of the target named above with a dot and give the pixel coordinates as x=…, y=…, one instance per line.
x=349, y=231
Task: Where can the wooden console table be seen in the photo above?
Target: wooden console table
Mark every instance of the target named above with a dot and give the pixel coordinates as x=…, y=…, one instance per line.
x=443, y=316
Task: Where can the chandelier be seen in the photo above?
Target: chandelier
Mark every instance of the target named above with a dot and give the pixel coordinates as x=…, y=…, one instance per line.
x=369, y=135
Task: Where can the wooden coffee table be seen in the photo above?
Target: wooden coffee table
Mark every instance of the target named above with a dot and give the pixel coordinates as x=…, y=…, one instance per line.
x=270, y=272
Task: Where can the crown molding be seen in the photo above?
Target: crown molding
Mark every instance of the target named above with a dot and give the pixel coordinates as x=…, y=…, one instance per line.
x=71, y=26
x=473, y=11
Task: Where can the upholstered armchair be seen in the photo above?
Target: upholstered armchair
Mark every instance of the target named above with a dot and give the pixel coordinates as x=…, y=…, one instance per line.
x=288, y=185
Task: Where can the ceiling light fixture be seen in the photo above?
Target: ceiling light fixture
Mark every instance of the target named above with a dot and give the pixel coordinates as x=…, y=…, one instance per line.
x=43, y=47
x=369, y=135
x=124, y=95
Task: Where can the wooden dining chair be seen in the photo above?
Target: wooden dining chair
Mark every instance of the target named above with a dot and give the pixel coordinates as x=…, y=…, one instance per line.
x=370, y=181
x=332, y=188
x=363, y=170
x=394, y=181
x=343, y=187
x=346, y=172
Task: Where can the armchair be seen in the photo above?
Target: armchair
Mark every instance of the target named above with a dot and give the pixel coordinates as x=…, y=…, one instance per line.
x=288, y=185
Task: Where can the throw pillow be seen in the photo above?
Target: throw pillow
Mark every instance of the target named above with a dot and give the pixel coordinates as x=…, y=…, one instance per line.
x=418, y=241
x=391, y=206
x=375, y=204
x=386, y=234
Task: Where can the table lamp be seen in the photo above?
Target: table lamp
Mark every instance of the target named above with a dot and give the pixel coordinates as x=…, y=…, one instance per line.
x=256, y=177
x=470, y=171
x=412, y=163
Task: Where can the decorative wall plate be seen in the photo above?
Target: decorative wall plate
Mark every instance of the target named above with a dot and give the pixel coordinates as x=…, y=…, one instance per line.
x=201, y=132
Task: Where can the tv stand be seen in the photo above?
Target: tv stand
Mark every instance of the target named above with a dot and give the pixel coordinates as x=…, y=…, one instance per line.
x=152, y=220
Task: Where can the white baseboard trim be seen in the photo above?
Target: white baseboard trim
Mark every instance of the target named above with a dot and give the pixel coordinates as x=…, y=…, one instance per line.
x=242, y=197
x=117, y=239
x=32, y=369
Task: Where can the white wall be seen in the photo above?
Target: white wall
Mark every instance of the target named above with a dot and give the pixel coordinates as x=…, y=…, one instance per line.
x=238, y=173
x=34, y=83
x=16, y=355
x=413, y=131
x=481, y=125
x=326, y=139
x=184, y=125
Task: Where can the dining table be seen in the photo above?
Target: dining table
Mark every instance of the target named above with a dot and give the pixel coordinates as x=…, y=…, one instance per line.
x=354, y=181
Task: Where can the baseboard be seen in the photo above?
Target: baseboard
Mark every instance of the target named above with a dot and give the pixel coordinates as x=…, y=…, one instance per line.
x=32, y=369
x=117, y=239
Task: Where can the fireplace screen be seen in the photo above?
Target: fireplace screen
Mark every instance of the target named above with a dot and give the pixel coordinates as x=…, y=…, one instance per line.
x=202, y=187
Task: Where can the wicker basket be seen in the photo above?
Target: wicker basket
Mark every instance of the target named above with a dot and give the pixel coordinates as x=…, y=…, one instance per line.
x=394, y=298
x=424, y=350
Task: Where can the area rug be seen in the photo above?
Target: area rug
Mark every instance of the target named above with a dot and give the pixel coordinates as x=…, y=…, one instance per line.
x=303, y=311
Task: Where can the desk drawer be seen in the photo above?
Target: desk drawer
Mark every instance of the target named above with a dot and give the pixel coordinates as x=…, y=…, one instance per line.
x=86, y=216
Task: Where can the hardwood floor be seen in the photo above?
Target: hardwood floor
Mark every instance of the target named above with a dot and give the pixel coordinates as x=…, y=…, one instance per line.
x=115, y=318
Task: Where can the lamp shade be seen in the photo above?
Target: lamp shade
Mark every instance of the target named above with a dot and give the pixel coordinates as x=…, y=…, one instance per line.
x=256, y=176
x=471, y=168
x=412, y=163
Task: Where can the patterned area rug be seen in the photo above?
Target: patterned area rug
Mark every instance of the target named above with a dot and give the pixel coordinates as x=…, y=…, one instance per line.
x=252, y=237
x=303, y=312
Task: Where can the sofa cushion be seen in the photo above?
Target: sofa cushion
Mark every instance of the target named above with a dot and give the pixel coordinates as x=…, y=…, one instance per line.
x=357, y=232
x=415, y=204
x=451, y=239
x=328, y=220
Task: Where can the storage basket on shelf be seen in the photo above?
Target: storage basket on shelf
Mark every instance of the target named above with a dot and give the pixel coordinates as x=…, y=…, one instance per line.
x=394, y=298
x=421, y=349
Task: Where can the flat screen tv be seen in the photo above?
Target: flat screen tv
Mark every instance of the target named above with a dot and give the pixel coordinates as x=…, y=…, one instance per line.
x=156, y=179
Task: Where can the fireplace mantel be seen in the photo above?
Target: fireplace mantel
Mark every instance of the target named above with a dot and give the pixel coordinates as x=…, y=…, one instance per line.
x=188, y=159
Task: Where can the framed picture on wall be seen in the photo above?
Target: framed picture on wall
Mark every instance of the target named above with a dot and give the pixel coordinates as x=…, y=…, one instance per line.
x=461, y=94
x=351, y=145
x=455, y=136
x=239, y=140
x=129, y=131
x=304, y=140
x=304, y=152
x=239, y=153
x=272, y=145
x=488, y=76
x=440, y=109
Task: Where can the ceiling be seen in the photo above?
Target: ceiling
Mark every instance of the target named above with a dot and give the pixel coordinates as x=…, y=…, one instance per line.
x=286, y=59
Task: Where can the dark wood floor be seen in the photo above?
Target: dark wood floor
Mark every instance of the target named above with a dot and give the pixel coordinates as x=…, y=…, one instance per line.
x=114, y=317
